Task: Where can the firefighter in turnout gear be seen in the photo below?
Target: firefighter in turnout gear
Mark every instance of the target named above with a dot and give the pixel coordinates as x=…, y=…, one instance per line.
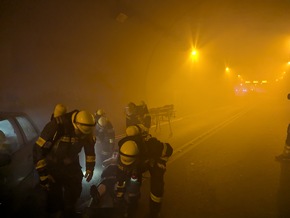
x=56, y=159
x=139, y=152
x=105, y=134
x=138, y=114
x=285, y=156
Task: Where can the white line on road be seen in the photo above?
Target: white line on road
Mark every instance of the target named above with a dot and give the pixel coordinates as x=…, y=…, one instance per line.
x=201, y=138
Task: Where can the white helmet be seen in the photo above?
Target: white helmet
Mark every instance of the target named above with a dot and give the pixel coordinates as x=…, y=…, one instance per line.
x=83, y=121
x=102, y=121
x=128, y=152
x=59, y=110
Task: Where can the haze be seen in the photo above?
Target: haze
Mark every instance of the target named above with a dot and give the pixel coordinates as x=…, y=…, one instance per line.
x=106, y=53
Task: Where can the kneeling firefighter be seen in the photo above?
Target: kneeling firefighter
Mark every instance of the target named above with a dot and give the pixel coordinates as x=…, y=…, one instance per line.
x=138, y=153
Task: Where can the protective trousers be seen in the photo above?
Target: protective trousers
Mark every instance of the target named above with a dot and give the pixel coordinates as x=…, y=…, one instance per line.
x=156, y=188
x=65, y=192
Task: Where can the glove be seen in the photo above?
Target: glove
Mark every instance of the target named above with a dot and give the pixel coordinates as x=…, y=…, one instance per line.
x=89, y=175
x=95, y=195
x=46, y=181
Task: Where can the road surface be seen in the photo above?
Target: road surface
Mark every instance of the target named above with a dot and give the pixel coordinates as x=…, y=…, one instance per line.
x=223, y=163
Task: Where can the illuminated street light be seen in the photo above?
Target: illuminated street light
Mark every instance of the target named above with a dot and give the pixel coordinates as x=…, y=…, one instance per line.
x=194, y=55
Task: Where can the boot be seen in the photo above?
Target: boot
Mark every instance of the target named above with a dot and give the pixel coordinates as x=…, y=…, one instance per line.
x=155, y=208
x=96, y=198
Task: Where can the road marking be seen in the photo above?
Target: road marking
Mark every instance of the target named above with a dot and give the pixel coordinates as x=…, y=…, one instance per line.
x=202, y=137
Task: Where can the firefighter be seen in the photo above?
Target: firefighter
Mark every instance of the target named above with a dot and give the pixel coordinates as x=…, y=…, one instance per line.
x=105, y=134
x=56, y=159
x=285, y=156
x=140, y=152
x=138, y=114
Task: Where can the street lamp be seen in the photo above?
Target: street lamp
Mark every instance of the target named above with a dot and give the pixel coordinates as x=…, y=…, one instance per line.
x=227, y=69
x=194, y=55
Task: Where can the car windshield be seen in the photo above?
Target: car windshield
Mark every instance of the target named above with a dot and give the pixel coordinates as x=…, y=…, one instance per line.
x=27, y=127
x=12, y=141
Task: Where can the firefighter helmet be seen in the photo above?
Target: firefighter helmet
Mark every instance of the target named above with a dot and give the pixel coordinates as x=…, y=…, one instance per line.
x=138, y=129
x=83, y=121
x=132, y=130
x=100, y=112
x=59, y=110
x=128, y=152
x=102, y=121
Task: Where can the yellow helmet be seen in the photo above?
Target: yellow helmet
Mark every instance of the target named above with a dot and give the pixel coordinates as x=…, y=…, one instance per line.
x=128, y=152
x=83, y=121
x=132, y=130
x=138, y=129
x=100, y=112
x=59, y=110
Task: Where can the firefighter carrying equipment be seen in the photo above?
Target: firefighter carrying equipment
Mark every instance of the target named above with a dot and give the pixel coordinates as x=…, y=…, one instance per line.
x=128, y=152
x=84, y=122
